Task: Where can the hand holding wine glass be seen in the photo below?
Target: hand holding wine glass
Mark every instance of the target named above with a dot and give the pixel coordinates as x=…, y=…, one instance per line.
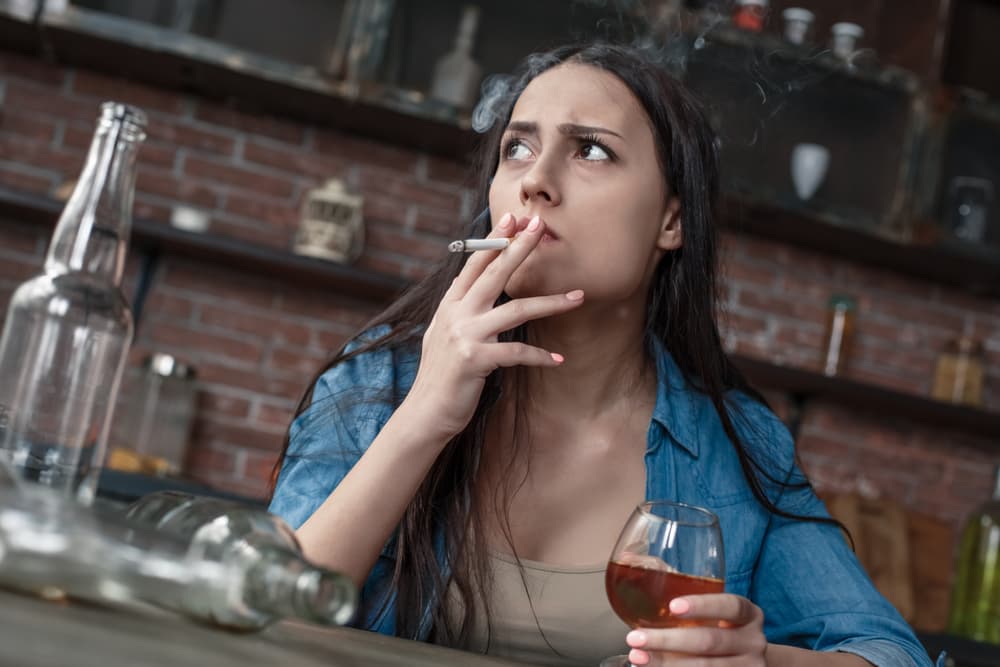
x=666, y=550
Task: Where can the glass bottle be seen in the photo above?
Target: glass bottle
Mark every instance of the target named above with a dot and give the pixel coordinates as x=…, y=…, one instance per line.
x=266, y=576
x=456, y=74
x=839, y=334
x=68, y=330
x=975, y=600
x=958, y=376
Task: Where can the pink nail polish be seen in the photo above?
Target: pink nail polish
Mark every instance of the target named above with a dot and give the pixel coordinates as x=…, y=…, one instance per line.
x=556, y=357
x=575, y=295
x=636, y=638
x=534, y=224
x=505, y=221
x=679, y=606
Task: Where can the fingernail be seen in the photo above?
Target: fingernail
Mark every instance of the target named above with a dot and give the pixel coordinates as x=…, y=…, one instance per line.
x=505, y=221
x=636, y=638
x=575, y=295
x=556, y=357
x=534, y=224
x=637, y=657
x=679, y=606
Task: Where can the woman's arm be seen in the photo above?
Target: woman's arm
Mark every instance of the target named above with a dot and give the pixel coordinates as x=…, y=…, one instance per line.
x=460, y=349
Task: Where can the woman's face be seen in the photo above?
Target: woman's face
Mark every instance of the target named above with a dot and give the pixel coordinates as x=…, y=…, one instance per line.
x=579, y=152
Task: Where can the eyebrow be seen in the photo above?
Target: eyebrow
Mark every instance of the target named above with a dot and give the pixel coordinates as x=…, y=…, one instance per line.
x=569, y=129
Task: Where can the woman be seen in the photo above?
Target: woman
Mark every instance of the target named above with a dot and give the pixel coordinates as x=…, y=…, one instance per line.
x=471, y=458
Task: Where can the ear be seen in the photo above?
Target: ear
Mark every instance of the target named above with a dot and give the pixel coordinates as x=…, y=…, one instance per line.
x=671, y=232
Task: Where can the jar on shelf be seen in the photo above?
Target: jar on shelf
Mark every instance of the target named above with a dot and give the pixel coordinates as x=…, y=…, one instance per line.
x=839, y=333
x=958, y=377
x=750, y=14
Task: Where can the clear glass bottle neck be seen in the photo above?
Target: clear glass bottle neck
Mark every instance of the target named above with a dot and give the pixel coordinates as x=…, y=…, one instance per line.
x=283, y=585
x=92, y=234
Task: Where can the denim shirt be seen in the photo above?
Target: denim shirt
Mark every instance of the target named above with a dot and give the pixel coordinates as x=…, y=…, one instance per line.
x=802, y=574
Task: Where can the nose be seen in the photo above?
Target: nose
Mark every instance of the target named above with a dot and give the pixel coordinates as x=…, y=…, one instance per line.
x=539, y=184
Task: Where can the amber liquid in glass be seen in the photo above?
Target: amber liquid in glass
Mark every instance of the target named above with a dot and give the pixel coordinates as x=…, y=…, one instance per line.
x=641, y=596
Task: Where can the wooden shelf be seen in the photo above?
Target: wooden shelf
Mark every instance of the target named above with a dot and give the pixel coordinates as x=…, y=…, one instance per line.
x=151, y=236
x=870, y=398
x=156, y=237
x=971, y=267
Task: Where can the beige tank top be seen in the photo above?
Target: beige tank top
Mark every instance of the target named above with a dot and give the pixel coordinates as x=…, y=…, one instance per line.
x=554, y=616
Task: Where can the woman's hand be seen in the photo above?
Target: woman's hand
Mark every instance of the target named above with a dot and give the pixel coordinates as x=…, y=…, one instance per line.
x=737, y=640
x=460, y=347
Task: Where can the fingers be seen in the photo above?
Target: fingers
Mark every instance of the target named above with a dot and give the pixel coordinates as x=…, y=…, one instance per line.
x=517, y=312
x=493, y=278
x=521, y=354
x=697, y=642
x=480, y=260
x=735, y=610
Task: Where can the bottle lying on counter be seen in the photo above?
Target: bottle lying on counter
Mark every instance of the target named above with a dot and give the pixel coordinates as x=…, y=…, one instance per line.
x=265, y=575
x=212, y=560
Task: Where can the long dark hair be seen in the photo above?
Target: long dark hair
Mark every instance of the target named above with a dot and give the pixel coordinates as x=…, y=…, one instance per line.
x=681, y=314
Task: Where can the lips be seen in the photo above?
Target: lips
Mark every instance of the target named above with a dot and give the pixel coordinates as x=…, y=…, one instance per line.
x=549, y=234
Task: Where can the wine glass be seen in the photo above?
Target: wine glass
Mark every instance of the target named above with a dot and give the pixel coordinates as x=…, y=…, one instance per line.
x=665, y=550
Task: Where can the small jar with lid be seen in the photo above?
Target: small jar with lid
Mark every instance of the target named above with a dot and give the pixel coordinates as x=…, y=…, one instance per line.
x=750, y=14
x=958, y=377
x=839, y=333
x=153, y=418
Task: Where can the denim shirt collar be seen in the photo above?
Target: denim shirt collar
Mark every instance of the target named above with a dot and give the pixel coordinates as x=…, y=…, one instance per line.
x=678, y=405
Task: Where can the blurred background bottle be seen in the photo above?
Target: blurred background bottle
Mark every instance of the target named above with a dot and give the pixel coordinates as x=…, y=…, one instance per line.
x=839, y=334
x=68, y=330
x=456, y=74
x=975, y=600
x=266, y=576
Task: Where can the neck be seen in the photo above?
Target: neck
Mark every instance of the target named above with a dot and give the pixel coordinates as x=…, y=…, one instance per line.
x=605, y=360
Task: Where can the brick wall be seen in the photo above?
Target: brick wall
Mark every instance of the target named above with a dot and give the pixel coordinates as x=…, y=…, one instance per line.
x=256, y=341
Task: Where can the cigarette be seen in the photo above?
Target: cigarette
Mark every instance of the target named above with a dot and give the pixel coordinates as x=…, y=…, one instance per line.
x=471, y=245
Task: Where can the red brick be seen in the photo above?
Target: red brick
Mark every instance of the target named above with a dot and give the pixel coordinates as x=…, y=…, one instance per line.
x=258, y=466
x=262, y=324
x=390, y=266
x=802, y=336
x=384, y=209
x=253, y=489
x=444, y=225
x=206, y=282
x=238, y=435
x=275, y=212
x=291, y=360
x=147, y=98
x=330, y=341
x=926, y=314
x=143, y=209
x=452, y=172
x=31, y=69
x=162, y=304
x=749, y=276
x=238, y=177
x=222, y=403
x=166, y=131
x=12, y=177
x=39, y=156
x=164, y=184
x=414, y=246
x=217, y=373
x=78, y=136
x=17, y=270
x=44, y=100
x=742, y=323
x=365, y=152
x=295, y=160
x=203, y=457
x=327, y=307
x=786, y=305
x=391, y=184
x=203, y=343
x=26, y=126
x=268, y=126
x=23, y=239
x=276, y=414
